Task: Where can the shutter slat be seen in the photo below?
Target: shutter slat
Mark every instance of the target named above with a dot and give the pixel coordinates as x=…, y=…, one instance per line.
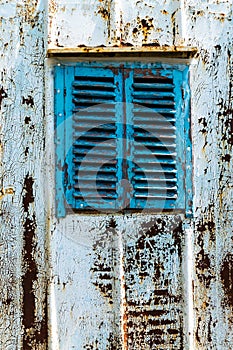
x=92, y=169
x=156, y=177
x=155, y=94
x=154, y=102
x=95, y=111
x=104, y=186
x=95, y=136
x=108, y=178
x=85, y=126
x=152, y=86
x=156, y=109
x=150, y=116
x=92, y=84
x=154, y=126
x=160, y=152
x=93, y=93
x=92, y=144
x=93, y=161
x=92, y=101
x=161, y=187
x=155, y=169
x=168, y=135
x=161, y=196
x=105, y=153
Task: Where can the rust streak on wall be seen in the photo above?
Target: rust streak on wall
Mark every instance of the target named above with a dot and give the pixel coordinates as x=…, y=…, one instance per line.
x=227, y=278
x=35, y=333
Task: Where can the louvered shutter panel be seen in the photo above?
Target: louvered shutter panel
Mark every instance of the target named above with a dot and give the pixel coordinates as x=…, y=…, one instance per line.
x=95, y=133
x=122, y=137
x=156, y=173
x=91, y=172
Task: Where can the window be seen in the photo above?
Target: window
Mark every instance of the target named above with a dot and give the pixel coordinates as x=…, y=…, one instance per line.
x=122, y=137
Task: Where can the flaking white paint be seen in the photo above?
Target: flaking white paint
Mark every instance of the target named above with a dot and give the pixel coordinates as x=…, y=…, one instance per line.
x=206, y=25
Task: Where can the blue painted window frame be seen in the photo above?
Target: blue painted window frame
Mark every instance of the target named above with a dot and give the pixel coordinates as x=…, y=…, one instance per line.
x=63, y=97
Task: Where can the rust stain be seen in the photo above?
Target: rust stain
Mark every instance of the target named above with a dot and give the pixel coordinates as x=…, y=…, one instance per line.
x=35, y=332
x=104, y=13
x=227, y=278
x=104, y=10
x=203, y=268
x=198, y=330
x=200, y=13
x=29, y=101
x=103, y=265
x=226, y=158
x=27, y=120
x=5, y=191
x=93, y=346
x=144, y=26
x=203, y=261
x=52, y=11
x=28, y=196
x=3, y=95
x=29, y=13
x=174, y=26
x=204, y=123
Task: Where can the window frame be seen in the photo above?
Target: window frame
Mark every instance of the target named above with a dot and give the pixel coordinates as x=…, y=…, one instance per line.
x=63, y=109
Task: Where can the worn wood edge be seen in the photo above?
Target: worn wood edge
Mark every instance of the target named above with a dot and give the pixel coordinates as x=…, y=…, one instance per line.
x=156, y=51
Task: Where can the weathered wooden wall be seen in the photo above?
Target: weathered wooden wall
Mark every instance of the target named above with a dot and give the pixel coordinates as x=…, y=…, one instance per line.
x=23, y=274
x=96, y=264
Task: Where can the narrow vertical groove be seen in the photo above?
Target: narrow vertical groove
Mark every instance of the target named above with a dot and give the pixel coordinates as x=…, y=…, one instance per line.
x=188, y=282
x=123, y=297
x=183, y=23
x=116, y=22
x=54, y=336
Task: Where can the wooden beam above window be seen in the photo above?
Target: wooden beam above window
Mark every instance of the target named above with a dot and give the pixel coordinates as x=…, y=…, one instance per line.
x=129, y=51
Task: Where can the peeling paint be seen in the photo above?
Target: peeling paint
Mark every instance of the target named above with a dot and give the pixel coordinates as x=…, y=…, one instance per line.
x=28, y=101
x=116, y=282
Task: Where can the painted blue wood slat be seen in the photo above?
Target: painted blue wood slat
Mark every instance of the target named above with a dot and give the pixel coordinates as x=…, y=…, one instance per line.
x=187, y=144
x=180, y=147
x=69, y=139
x=59, y=111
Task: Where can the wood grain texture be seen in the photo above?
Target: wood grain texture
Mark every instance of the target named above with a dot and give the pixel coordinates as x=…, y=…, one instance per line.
x=23, y=278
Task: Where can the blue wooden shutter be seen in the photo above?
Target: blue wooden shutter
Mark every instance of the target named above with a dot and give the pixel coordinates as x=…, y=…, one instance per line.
x=122, y=124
